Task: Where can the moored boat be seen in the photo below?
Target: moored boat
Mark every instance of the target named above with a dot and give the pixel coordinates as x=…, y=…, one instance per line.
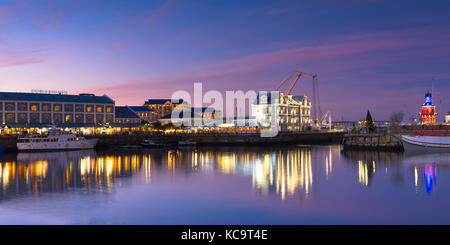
x=153, y=144
x=54, y=140
x=186, y=143
x=425, y=143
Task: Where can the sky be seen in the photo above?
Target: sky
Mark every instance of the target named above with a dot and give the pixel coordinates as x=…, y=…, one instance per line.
x=374, y=54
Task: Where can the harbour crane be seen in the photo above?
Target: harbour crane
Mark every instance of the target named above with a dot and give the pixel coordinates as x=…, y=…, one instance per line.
x=325, y=121
x=315, y=87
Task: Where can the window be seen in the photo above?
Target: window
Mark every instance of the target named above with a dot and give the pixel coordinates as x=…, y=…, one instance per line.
x=79, y=118
x=22, y=106
x=10, y=117
x=68, y=107
x=109, y=109
x=79, y=108
x=89, y=118
x=10, y=106
x=100, y=118
x=68, y=118
x=57, y=107
x=34, y=107
x=99, y=108
x=1, y=106
x=89, y=108
x=46, y=118
x=22, y=117
x=57, y=118
x=109, y=118
x=45, y=107
x=34, y=117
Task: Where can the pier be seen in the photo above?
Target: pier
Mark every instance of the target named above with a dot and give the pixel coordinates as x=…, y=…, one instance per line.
x=377, y=141
x=8, y=143
x=106, y=141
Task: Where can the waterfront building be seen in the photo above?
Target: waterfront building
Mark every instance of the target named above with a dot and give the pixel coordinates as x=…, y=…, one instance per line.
x=125, y=117
x=428, y=113
x=41, y=110
x=164, y=107
x=294, y=112
x=198, y=116
x=447, y=118
x=146, y=114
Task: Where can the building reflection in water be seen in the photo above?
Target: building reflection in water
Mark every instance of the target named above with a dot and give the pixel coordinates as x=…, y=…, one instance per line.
x=61, y=171
x=429, y=177
x=368, y=162
x=285, y=172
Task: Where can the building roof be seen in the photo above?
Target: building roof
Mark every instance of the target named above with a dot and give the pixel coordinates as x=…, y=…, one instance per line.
x=298, y=98
x=259, y=98
x=162, y=101
x=140, y=108
x=81, y=98
x=428, y=99
x=192, y=114
x=203, y=109
x=125, y=112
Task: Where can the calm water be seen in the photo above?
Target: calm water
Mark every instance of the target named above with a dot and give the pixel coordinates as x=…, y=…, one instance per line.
x=235, y=185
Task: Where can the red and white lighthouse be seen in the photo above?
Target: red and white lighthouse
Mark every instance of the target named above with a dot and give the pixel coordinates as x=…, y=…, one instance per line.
x=428, y=113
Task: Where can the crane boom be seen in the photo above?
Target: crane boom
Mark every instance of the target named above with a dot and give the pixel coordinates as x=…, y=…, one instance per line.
x=299, y=74
x=284, y=81
x=316, y=100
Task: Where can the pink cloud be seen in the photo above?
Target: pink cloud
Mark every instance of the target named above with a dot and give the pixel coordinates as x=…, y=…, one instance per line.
x=338, y=60
x=160, y=12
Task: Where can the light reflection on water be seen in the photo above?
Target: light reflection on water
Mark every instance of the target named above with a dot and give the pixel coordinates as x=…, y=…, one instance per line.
x=297, y=176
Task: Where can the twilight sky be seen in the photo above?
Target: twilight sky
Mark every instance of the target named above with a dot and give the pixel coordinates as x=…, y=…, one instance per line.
x=374, y=54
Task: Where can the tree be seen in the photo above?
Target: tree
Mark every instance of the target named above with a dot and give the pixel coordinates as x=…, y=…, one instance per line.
x=370, y=125
x=396, y=117
x=157, y=125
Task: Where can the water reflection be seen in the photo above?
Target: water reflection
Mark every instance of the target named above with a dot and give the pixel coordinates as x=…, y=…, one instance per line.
x=419, y=171
x=284, y=172
x=62, y=171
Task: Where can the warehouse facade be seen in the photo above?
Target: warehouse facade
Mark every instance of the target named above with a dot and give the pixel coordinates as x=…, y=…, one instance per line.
x=38, y=109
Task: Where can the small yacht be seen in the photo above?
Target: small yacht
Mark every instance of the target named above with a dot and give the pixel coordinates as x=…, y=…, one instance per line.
x=153, y=144
x=426, y=143
x=54, y=140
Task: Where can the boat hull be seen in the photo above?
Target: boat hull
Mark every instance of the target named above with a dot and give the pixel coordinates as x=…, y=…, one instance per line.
x=58, y=146
x=426, y=143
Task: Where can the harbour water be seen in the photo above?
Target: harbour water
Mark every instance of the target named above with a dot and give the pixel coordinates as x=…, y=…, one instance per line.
x=225, y=185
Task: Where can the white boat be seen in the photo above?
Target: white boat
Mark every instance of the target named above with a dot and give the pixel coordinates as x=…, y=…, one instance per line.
x=186, y=143
x=426, y=143
x=54, y=140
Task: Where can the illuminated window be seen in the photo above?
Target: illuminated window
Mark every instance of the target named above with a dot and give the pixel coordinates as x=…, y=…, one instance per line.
x=34, y=108
x=57, y=107
x=109, y=109
x=89, y=108
x=68, y=118
x=99, y=109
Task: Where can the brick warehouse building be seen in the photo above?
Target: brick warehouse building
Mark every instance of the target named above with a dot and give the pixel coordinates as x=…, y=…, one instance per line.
x=40, y=110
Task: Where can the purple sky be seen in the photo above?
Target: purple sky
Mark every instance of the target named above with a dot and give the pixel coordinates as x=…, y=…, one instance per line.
x=377, y=55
